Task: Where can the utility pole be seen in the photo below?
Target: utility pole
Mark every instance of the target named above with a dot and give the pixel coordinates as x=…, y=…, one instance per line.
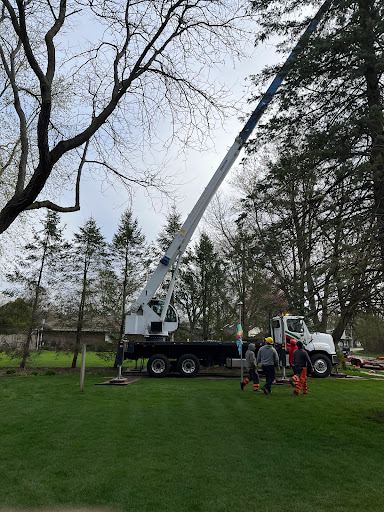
x=82, y=369
x=240, y=338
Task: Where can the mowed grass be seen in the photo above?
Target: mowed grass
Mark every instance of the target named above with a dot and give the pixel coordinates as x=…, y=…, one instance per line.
x=176, y=444
x=48, y=358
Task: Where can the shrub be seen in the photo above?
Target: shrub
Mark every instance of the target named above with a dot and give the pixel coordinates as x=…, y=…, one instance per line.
x=369, y=330
x=34, y=372
x=10, y=371
x=340, y=356
x=50, y=372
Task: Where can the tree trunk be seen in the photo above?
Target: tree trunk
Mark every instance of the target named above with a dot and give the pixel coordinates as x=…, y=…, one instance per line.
x=123, y=305
x=375, y=122
x=80, y=318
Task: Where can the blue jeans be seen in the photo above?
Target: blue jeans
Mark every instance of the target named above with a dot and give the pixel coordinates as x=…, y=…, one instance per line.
x=269, y=372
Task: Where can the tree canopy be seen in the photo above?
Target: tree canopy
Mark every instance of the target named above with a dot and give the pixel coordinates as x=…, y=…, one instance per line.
x=15, y=316
x=315, y=201
x=85, y=85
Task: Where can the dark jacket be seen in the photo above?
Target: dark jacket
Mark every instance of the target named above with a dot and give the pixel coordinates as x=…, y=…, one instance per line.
x=301, y=358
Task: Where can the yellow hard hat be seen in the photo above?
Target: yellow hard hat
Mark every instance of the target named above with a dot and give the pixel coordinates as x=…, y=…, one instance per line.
x=269, y=340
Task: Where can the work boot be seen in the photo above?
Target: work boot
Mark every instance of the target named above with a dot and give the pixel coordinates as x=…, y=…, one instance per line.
x=242, y=385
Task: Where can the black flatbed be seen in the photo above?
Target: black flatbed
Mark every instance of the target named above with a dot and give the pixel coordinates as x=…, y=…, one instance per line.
x=208, y=352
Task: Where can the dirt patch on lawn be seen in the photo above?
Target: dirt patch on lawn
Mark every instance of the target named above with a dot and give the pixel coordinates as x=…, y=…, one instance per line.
x=376, y=417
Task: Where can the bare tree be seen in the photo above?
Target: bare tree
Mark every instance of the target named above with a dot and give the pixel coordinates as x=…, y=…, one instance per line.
x=86, y=83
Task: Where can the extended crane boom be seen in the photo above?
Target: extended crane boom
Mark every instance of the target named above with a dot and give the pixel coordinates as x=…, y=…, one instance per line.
x=155, y=317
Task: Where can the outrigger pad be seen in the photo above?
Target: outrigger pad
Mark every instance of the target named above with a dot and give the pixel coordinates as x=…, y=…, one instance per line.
x=118, y=382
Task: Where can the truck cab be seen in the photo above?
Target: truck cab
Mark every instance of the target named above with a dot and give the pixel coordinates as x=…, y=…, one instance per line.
x=320, y=346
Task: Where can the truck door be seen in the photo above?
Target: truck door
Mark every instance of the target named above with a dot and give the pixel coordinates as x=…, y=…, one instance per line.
x=276, y=329
x=279, y=339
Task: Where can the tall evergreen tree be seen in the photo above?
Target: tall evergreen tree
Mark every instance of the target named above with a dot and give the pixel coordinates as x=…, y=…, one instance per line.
x=247, y=278
x=201, y=289
x=331, y=104
x=43, y=251
x=210, y=279
x=169, y=230
x=128, y=254
x=318, y=255
x=325, y=188
x=187, y=298
x=164, y=240
x=90, y=258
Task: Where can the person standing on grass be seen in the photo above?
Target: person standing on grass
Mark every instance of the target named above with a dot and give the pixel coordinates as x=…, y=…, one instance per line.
x=250, y=364
x=292, y=347
x=269, y=359
x=302, y=362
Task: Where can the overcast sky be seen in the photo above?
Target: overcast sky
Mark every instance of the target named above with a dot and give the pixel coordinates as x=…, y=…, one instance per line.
x=192, y=170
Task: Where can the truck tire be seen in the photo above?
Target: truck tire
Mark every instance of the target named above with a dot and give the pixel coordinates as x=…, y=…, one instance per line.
x=158, y=365
x=188, y=365
x=322, y=366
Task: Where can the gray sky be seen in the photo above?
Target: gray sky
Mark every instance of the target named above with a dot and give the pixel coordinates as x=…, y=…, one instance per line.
x=191, y=169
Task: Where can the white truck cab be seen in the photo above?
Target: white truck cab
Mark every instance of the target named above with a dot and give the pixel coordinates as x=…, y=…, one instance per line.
x=319, y=345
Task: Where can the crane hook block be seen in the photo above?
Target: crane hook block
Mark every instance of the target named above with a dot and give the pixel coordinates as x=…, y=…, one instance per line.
x=165, y=261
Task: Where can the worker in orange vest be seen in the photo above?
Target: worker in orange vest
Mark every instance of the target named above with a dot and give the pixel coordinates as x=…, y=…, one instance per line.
x=302, y=362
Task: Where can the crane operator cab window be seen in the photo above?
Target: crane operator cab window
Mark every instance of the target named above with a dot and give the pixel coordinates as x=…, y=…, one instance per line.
x=158, y=306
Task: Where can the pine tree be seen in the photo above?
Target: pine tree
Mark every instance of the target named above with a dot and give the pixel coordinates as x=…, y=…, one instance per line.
x=330, y=106
x=210, y=278
x=45, y=250
x=128, y=254
x=172, y=226
x=201, y=289
x=164, y=240
x=90, y=257
x=321, y=255
x=324, y=229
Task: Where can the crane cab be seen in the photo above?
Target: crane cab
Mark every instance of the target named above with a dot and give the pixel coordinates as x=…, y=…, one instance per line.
x=148, y=322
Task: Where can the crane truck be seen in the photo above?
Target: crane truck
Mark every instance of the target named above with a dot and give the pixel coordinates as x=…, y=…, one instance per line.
x=156, y=319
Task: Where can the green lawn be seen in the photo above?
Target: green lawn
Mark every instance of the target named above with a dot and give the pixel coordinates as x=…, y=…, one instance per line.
x=367, y=354
x=164, y=445
x=46, y=358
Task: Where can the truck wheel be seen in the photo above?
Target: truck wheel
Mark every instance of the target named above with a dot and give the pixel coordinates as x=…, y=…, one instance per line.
x=322, y=365
x=158, y=365
x=188, y=365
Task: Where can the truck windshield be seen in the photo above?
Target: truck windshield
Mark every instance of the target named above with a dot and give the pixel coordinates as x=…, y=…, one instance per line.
x=295, y=325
